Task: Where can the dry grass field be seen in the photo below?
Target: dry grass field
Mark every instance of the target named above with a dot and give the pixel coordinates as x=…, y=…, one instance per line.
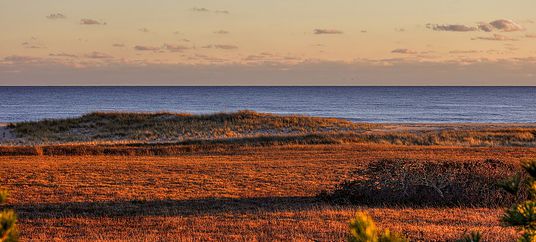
x=253, y=193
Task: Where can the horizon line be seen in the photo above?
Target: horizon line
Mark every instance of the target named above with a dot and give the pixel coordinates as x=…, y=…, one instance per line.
x=268, y=86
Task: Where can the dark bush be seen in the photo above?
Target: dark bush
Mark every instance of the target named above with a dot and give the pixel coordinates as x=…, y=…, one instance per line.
x=426, y=183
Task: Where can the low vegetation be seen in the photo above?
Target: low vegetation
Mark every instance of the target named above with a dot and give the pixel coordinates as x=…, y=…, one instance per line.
x=522, y=215
x=165, y=127
x=363, y=229
x=251, y=128
x=8, y=221
x=426, y=183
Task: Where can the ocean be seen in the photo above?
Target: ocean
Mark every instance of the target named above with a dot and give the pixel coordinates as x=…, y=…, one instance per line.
x=360, y=104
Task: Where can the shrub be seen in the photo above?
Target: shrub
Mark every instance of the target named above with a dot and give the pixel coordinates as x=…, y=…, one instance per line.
x=472, y=237
x=363, y=229
x=439, y=183
x=523, y=214
x=8, y=220
x=3, y=196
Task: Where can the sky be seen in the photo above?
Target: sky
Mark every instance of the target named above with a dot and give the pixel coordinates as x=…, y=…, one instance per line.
x=276, y=42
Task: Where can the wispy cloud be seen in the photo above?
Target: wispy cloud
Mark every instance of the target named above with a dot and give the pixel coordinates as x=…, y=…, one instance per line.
x=196, y=9
x=463, y=51
x=327, y=31
x=62, y=55
x=32, y=46
x=118, y=45
x=175, y=48
x=226, y=47
x=506, y=25
x=21, y=59
x=208, y=59
x=395, y=71
x=404, y=51
x=98, y=55
x=221, y=46
x=55, y=16
x=486, y=27
x=221, y=32
x=495, y=37
x=144, y=30
x=88, y=21
x=206, y=10
x=146, y=48
x=451, y=27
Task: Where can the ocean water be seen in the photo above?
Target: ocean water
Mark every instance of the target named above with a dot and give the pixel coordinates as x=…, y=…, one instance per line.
x=362, y=104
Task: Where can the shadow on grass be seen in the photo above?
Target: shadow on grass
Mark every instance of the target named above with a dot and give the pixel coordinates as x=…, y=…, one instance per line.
x=208, y=206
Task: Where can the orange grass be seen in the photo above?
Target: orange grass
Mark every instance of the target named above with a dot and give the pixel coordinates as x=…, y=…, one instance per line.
x=256, y=193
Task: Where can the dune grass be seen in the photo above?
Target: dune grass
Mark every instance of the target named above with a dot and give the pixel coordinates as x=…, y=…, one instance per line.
x=170, y=133
x=100, y=126
x=480, y=138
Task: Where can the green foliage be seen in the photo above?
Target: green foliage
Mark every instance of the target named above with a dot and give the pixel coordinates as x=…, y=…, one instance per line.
x=472, y=237
x=511, y=185
x=363, y=229
x=530, y=167
x=8, y=222
x=3, y=196
x=523, y=215
x=527, y=237
x=8, y=226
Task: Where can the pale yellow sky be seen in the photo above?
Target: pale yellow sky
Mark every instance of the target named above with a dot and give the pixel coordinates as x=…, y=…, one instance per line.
x=277, y=42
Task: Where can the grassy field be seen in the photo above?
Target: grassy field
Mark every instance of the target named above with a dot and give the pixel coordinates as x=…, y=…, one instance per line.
x=252, y=193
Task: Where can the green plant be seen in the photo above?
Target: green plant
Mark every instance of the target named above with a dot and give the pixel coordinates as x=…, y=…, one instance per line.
x=3, y=196
x=363, y=229
x=523, y=214
x=472, y=237
x=8, y=222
